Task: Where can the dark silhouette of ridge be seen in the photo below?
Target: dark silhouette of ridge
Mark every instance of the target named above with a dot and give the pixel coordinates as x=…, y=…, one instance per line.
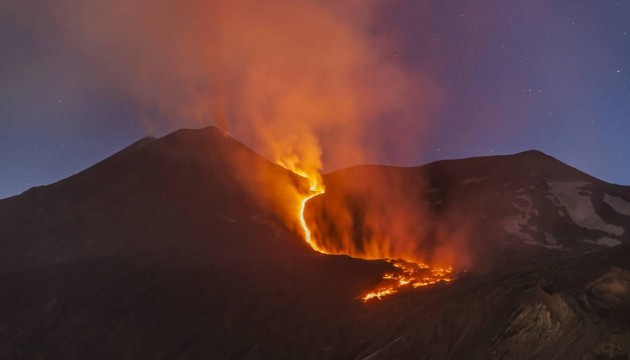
x=163, y=251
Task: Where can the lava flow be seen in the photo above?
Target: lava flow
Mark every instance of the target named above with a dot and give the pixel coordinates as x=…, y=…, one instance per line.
x=408, y=275
x=316, y=189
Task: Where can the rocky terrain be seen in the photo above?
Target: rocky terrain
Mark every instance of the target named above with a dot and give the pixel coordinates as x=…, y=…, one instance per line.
x=163, y=251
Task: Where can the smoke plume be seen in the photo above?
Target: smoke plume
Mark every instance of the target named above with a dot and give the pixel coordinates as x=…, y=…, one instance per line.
x=294, y=79
x=300, y=81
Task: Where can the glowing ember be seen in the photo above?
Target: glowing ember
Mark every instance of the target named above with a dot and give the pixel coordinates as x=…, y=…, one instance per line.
x=409, y=275
x=378, y=294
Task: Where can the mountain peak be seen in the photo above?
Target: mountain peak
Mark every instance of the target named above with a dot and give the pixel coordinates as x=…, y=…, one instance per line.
x=204, y=131
x=532, y=153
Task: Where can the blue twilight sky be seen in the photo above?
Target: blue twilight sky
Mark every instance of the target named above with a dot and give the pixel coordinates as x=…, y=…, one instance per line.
x=512, y=75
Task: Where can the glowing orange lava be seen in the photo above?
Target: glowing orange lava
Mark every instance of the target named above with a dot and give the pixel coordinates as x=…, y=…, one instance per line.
x=316, y=188
x=307, y=232
x=378, y=294
x=408, y=274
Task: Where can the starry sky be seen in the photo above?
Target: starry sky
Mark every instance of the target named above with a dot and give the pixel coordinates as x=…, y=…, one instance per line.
x=509, y=76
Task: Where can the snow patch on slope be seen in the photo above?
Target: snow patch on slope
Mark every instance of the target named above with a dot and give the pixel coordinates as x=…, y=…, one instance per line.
x=618, y=204
x=605, y=241
x=579, y=206
x=552, y=242
x=519, y=224
x=474, y=180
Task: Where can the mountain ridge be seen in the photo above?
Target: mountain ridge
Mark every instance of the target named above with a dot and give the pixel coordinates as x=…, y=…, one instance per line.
x=162, y=252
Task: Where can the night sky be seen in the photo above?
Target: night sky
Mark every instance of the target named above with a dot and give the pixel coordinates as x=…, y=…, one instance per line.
x=508, y=76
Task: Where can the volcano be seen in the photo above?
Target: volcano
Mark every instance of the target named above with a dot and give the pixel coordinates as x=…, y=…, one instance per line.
x=166, y=251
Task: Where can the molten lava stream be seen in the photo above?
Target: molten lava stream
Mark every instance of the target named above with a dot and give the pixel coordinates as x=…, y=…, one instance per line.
x=409, y=274
x=307, y=232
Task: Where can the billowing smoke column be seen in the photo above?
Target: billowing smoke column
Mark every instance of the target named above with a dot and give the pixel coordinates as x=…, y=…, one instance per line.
x=297, y=80
x=291, y=78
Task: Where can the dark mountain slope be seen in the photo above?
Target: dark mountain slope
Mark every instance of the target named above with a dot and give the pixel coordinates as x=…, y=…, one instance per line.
x=181, y=192
x=163, y=251
x=576, y=308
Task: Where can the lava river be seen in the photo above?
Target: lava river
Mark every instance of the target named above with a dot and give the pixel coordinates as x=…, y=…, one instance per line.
x=408, y=274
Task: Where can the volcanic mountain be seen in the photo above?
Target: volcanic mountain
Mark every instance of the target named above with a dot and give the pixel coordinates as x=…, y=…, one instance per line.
x=495, y=209
x=166, y=251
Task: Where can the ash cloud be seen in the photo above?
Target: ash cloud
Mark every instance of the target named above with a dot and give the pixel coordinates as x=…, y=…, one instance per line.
x=294, y=79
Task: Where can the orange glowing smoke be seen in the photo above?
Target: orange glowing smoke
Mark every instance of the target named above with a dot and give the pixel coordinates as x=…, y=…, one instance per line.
x=293, y=79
